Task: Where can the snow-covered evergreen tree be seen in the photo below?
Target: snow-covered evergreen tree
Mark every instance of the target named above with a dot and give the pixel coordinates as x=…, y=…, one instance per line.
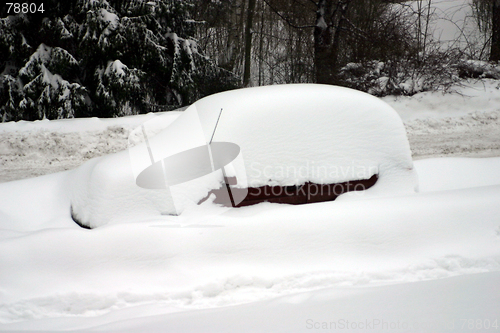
x=102, y=58
x=48, y=95
x=118, y=88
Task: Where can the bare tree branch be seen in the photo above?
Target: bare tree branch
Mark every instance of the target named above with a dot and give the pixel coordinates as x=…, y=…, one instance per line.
x=286, y=19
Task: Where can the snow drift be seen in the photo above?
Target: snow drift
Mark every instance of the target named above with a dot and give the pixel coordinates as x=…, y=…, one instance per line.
x=54, y=269
x=288, y=135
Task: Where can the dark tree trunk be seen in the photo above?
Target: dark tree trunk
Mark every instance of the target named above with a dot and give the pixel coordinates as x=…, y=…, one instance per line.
x=248, y=43
x=330, y=19
x=495, y=31
x=230, y=58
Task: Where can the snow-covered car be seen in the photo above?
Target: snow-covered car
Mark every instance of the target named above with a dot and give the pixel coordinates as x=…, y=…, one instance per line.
x=293, y=144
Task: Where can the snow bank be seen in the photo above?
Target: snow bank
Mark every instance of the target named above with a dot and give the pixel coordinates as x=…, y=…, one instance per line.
x=56, y=269
x=82, y=125
x=29, y=149
x=288, y=135
x=481, y=96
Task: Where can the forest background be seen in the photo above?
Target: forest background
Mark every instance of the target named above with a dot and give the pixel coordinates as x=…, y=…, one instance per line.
x=98, y=58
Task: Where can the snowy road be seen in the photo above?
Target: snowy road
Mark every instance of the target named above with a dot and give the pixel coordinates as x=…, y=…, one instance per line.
x=474, y=135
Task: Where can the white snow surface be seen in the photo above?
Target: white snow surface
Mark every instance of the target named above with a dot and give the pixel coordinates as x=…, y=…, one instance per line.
x=179, y=265
x=418, y=262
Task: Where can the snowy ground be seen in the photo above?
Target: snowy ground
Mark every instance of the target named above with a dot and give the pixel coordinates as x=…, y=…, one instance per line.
x=426, y=262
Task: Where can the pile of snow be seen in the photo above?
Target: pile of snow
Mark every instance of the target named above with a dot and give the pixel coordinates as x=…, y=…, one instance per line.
x=29, y=149
x=482, y=96
x=59, y=276
x=117, y=67
x=288, y=135
x=82, y=125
